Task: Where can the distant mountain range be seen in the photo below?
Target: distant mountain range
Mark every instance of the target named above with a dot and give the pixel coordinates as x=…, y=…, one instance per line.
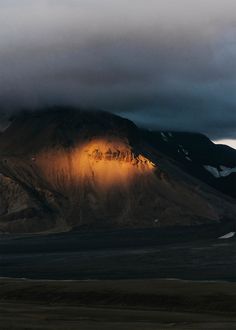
x=64, y=169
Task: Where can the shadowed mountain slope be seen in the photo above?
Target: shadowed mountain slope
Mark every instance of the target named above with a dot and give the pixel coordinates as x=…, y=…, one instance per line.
x=196, y=154
x=64, y=168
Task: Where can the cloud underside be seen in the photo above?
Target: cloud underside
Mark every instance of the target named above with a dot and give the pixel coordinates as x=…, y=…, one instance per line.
x=164, y=65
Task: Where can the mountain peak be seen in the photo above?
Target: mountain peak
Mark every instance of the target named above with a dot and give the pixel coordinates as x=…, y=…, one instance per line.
x=63, y=169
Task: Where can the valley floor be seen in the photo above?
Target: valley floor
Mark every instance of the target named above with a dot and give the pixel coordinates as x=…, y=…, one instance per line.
x=110, y=280
x=183, y=253
x=124, y=304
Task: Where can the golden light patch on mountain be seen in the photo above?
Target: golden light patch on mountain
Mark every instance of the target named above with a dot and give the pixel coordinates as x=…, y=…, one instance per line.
x=104, y=162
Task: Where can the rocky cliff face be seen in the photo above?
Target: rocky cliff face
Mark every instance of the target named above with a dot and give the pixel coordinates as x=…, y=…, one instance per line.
x=64, y=169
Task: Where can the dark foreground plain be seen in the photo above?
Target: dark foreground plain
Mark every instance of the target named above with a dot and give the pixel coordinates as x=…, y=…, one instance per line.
x=96, y=280
x=119, y=304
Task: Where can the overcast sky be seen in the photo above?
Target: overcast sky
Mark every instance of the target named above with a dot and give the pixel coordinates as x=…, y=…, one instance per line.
x=165, y=64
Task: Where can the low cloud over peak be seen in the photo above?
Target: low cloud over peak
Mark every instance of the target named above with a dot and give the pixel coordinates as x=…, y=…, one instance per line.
x=164, y=64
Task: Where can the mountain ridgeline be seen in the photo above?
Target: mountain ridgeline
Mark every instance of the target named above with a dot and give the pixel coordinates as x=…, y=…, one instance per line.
x=64, y=169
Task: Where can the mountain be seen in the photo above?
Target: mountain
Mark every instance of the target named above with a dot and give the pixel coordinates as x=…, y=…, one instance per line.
x=197, y=155
x=64, y=169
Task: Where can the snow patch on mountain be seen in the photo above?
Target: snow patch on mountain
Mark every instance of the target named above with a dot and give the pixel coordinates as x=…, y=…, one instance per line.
x=229, y=235
x=184, y=151
x=164, y=137
x=220, y=172
x=188, y=158
x=5, y=122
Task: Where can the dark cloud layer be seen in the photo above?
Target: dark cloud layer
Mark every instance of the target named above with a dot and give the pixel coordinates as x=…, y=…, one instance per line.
x=164, y=64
